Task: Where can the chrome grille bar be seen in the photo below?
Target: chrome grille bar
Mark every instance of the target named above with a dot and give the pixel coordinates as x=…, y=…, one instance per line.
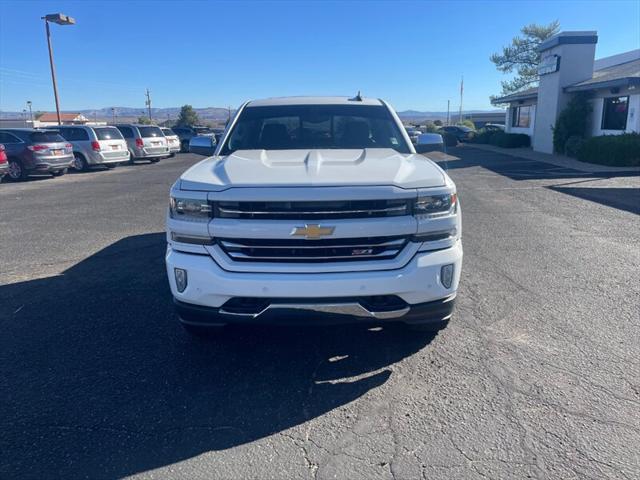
x=327, y=250
x=302, y=210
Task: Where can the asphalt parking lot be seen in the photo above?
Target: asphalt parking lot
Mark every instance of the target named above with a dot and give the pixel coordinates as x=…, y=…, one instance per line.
x=538, y=376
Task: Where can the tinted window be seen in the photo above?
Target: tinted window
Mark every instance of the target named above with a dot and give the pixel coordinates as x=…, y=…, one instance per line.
x=520, y=116
x=46, y=137
x=127, y=132
x=8, y=138
x=167, y=131
x=146, y=132
x=614, y=113
x=108, y=133
x=201, y=130
x=74, y=134
x=315, y=126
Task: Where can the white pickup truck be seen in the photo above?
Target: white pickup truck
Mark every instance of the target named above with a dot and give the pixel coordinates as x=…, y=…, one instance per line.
x=314, y=210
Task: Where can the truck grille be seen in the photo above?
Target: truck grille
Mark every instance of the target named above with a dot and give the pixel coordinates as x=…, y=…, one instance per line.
x=310, y=251
x=313, y=210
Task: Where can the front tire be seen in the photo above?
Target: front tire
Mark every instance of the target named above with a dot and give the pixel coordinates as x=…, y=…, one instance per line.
x=17, y=172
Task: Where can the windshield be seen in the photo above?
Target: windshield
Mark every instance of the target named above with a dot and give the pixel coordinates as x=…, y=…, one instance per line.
x=201, y=130
x=292, y=127
x=109, y=133
x=46, y=137
x=146, y=132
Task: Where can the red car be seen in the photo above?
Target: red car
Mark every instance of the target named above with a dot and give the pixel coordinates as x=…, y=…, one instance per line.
x=4, y=164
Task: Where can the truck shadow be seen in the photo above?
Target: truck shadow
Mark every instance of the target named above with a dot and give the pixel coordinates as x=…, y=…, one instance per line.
x=98, y=379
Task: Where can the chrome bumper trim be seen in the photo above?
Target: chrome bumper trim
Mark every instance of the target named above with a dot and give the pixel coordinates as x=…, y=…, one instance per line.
x=353, y=309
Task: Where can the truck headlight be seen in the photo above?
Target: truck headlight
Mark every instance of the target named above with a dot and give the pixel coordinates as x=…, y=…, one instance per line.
x=189, y=209
x=434, y=206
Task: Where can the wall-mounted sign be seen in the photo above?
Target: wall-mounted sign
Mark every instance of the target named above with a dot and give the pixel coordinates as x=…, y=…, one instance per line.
x=549, y=64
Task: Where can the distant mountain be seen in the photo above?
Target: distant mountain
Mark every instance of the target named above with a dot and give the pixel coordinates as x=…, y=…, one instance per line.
x=219, y=113
x=417, y=115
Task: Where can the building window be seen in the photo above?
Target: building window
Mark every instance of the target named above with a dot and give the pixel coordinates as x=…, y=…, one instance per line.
x=521, y=116
x=614, y=113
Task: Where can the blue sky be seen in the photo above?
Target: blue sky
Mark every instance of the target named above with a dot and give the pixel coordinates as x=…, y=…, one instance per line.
x=411, y=53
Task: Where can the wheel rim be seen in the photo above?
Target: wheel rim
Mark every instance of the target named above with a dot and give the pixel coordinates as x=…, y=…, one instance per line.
x=77, y=162
x=15, y=171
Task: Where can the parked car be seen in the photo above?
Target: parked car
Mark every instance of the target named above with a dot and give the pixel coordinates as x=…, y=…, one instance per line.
x=462, y=133
x=430, y=142
x=186, y=132
x=32, y=151
x=413, y=134
x=493, y=127
x=95, y=145
x=322, y=212
x=145, y=142
x=203, y=145
x=4, y=164
x=173, y=141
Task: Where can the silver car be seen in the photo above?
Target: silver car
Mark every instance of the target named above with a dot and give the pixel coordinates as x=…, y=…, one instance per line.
x=95, y=145
x=145, y=142
x=173, y=141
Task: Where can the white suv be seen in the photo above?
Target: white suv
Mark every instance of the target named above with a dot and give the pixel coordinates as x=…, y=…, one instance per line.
x=314, y=210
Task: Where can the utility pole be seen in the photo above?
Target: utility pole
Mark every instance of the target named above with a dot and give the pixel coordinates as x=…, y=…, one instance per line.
x=148, y=104
x=113, y=114
x=461, y=94
x=448, y=102
x=228, y=114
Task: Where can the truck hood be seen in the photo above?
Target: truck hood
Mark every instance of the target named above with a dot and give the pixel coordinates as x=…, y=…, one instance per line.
x=316, y=167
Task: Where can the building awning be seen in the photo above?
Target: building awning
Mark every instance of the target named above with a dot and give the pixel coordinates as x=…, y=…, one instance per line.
x=620, y=76
x=528, y=94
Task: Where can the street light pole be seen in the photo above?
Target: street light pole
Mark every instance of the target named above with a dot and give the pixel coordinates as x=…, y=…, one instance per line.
x=30, y=112
x=60, y=19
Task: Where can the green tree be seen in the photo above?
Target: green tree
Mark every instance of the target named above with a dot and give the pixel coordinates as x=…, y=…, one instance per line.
x=144, y=120
x=468, y=123
x=523, y=56
x=437, y=123
x=573, y=121
x=188, y=116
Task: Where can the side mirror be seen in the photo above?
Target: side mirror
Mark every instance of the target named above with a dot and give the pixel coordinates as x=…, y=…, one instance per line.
x=430, y=142
x=203, y=145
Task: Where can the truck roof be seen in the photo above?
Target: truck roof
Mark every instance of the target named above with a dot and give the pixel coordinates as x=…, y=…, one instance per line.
x=313, y=101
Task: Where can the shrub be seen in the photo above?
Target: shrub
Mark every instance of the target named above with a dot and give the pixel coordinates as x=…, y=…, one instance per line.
x=573, y=145
x=616, y=150
x=572, y=121
x=510, y=140
x=467, y=123
x=483, y=136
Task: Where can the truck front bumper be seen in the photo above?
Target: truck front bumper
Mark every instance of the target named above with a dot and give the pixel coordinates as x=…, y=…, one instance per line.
x=411, y=294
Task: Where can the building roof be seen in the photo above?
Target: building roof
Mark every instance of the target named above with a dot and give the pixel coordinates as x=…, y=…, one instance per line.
x=312, y=101
x=65, y=117
x=529, y=93
x=622, y=75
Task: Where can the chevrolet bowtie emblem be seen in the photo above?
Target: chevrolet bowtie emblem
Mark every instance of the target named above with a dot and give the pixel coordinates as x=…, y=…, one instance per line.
x=312, y=231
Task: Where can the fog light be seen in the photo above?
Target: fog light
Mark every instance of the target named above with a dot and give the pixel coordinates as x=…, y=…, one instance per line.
x=446, y=275
x=181, y=279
